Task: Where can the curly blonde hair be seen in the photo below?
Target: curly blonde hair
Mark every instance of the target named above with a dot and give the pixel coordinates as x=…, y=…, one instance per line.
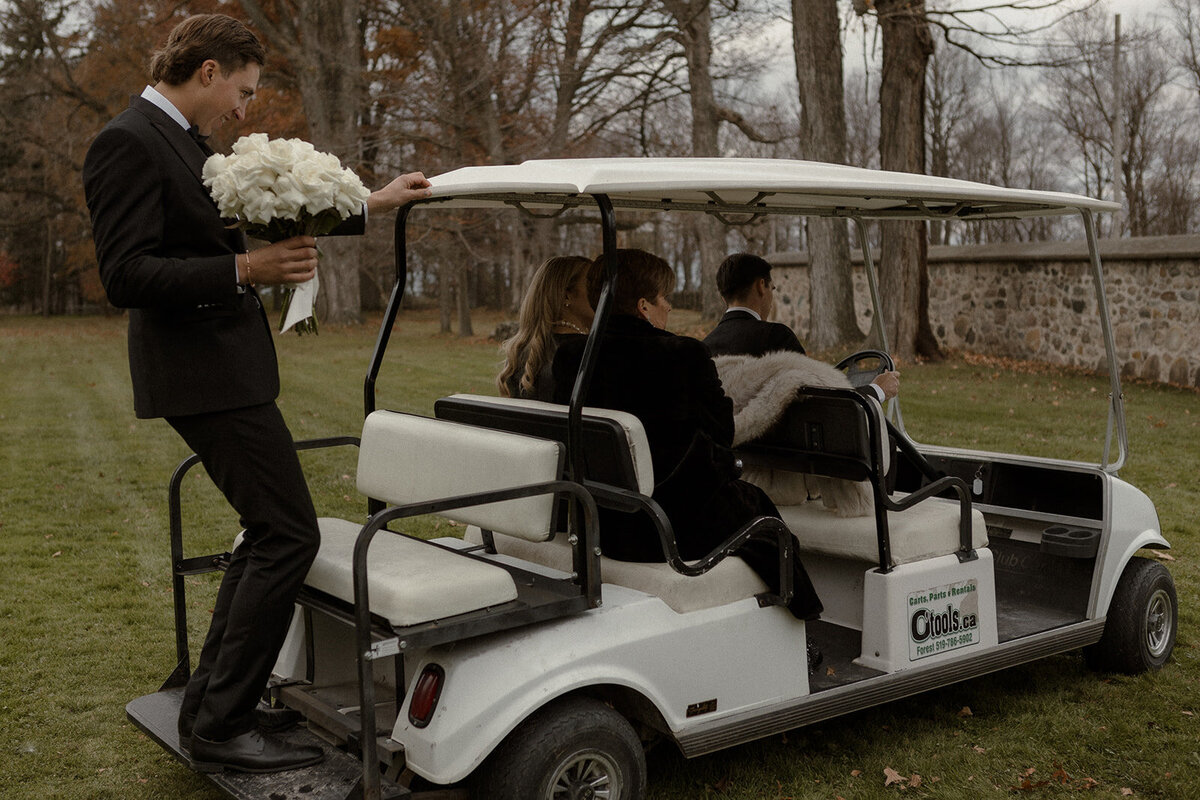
x=533, y=345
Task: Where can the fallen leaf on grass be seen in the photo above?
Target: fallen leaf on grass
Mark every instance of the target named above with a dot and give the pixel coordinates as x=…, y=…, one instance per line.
x=1162, y=555
x=914, y=780
x=722, y=786
x=1027, y=785
x=854, y=773
x=892, y=776
x=965, y=712
x=1126, y=791
x=980, y=750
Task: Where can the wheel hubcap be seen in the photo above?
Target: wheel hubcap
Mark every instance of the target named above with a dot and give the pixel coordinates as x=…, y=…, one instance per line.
x=586, y=776
x=1158, y=623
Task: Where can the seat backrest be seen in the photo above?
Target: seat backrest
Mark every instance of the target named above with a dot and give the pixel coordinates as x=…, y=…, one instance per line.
x=615, y=449
x=405, y=458
x=822, y=432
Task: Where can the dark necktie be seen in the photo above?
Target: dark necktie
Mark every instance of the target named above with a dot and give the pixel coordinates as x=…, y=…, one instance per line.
x=194, y=132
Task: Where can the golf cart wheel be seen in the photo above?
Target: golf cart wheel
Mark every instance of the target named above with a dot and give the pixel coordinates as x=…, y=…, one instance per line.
x=1143, y=617
x=575, y=749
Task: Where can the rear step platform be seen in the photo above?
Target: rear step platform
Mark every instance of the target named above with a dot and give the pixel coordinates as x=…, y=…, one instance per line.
x=334, y=778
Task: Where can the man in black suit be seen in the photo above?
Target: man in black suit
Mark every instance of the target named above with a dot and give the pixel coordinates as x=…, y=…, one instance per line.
x=744, y=281
x=201, y=355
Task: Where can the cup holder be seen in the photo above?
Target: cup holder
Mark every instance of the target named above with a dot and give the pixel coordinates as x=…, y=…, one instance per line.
x=1060, y=540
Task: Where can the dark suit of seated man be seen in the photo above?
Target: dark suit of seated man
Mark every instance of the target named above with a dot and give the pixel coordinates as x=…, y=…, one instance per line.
x=744, y=281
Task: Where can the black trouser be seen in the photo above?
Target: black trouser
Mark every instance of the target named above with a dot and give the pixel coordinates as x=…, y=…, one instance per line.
x=250, y=456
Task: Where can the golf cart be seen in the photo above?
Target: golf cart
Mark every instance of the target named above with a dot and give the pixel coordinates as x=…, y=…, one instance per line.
x=520, y=662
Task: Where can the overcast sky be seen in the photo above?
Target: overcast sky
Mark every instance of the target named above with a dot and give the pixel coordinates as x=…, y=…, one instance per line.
x=778, y=35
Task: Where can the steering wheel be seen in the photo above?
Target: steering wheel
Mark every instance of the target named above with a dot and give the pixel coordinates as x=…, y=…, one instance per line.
x=865, y=366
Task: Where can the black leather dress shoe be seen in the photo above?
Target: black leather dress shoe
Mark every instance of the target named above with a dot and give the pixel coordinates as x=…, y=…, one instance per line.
x=268, y=718
x=251, y=752
x=276, y=720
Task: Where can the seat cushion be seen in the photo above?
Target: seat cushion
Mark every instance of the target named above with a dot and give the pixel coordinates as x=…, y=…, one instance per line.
x=729, y=581
x=928, y=529
x=406, y=458
x=408, y=581
x=635, y=434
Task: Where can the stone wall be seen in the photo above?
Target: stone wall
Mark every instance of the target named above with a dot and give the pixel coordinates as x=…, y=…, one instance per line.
x=1037, y=302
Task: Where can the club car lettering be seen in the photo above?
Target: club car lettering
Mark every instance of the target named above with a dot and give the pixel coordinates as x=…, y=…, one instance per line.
x=944, y=618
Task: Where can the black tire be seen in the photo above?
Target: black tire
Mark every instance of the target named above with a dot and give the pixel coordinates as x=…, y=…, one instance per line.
x=1143, y=618
x=561, y=752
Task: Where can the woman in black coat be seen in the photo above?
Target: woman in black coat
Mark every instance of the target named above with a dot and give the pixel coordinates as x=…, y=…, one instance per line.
x=669, y=382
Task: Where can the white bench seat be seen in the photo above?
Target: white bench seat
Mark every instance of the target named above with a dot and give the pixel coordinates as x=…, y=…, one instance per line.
x=405, y=459
x=408, y=581
x=927, y=530
x=730, y=580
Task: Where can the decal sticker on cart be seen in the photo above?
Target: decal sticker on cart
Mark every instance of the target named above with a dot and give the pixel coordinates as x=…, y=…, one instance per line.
x=943, y=618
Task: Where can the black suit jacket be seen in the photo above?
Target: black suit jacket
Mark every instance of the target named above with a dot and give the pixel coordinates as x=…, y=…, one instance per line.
x=670, y=383
x=739, y=333
x=197, y=343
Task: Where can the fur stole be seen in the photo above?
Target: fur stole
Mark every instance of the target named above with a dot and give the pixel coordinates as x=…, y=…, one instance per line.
x=761, y=389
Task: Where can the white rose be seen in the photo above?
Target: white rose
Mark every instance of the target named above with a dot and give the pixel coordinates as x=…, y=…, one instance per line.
x=311, y=181
x=290, y=200
x=250, y=144
x=350, y=193
x=260, y=208
x=278, y=155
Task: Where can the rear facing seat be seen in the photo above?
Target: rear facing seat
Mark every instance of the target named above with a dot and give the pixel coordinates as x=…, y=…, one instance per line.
x=407, y=459
x=625, y=464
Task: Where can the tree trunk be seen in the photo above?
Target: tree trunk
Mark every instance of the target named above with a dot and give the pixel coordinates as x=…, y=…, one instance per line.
x=445, y=288
x=463, y=297
x=324, y=46
x=907, y=46
x=817, y=45
x=694, y=21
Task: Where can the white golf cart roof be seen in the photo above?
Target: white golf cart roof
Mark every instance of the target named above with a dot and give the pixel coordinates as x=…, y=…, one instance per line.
x=746, y=186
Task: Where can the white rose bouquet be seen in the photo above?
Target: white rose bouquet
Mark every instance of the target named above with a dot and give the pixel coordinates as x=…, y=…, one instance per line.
x=280, y=188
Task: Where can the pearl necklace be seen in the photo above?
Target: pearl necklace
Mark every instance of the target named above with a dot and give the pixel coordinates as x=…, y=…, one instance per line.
x=572, y=326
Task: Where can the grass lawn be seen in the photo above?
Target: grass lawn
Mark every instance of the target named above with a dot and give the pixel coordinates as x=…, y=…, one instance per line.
x=85, y=601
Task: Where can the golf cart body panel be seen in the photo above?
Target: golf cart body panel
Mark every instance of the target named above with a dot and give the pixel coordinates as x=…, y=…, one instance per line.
x=1015, y=558
x=632, y=641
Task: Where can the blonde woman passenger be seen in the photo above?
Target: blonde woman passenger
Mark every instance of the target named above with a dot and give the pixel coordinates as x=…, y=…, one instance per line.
x=555, y=309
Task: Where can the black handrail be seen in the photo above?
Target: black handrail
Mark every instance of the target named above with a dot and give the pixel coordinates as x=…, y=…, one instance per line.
x=759, y=527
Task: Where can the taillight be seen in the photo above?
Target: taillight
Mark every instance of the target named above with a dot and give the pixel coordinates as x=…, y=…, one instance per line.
x=425, y=695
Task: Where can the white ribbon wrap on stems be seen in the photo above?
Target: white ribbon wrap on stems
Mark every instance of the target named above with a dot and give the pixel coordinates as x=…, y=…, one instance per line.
x=303, y=302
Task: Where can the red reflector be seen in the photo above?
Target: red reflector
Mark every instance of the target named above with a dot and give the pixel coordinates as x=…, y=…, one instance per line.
x=425, y=695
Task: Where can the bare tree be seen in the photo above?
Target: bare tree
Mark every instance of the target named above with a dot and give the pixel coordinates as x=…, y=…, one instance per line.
x=323, y=43
x=817, y=44
x=693, y=30
x=907, y=46
x=1081, y=100
x=951, y=89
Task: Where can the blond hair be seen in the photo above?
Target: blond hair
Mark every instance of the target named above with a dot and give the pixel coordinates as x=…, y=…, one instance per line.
x=533, y=345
